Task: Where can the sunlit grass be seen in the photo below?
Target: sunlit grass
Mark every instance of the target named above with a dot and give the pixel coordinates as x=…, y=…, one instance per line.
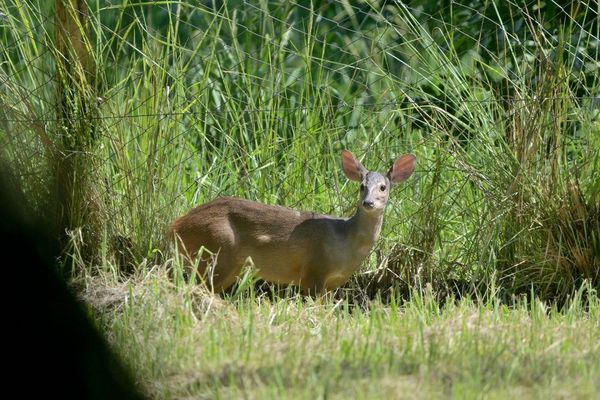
x=182, y=341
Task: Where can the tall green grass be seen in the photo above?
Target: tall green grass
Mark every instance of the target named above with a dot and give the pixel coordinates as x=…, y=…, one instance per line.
x=256, y=99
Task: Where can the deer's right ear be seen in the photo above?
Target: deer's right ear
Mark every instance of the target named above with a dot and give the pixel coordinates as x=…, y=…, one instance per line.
x=353, y=169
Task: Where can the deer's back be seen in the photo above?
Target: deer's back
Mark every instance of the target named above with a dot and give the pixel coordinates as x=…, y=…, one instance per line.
x=232, y=222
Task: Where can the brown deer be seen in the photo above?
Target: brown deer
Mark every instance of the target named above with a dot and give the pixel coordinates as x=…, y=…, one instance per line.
x=316, y=252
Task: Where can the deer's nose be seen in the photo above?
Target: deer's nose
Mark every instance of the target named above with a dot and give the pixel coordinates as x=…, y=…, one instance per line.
x=368, y=204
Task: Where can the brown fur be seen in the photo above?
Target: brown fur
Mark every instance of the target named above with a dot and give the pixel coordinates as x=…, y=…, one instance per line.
x=316, y=252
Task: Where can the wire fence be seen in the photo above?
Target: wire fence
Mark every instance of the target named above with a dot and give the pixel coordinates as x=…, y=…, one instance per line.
x=28, y=84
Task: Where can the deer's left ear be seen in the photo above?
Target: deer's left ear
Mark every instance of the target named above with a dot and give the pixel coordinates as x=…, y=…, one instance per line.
x=402, y=169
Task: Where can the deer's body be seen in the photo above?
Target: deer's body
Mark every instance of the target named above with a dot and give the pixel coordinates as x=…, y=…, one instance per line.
x=314, y=251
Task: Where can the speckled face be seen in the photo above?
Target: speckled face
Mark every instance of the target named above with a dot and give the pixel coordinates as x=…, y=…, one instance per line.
x=374, y=191
x=375, y=187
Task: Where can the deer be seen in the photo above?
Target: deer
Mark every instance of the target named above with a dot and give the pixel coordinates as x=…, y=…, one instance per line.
x=319, y=253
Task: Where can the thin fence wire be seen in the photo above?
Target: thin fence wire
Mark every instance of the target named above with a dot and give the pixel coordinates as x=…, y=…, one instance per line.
x=372, y=109
x=371, y=106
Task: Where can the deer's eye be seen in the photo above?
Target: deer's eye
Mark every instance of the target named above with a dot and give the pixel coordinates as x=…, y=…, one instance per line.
x=382, y=188
x=362, y=188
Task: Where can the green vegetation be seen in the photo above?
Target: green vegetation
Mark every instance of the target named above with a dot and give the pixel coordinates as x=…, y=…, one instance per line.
x=486, y=275
x=186, y=343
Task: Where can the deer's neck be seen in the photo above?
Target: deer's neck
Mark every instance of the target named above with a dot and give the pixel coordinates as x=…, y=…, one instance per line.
x=364, y=229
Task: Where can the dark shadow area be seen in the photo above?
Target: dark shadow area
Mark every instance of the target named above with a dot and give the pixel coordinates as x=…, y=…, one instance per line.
x=55, y=349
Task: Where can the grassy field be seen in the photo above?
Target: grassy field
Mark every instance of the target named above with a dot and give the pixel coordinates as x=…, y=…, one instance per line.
x=485, y=280
x=183, y=342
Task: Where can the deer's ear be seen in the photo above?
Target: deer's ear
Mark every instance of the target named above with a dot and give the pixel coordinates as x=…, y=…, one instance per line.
x=353, y=169
x=403, y=167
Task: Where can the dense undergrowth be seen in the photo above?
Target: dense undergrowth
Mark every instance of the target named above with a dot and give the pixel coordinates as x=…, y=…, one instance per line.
x=192, y=100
